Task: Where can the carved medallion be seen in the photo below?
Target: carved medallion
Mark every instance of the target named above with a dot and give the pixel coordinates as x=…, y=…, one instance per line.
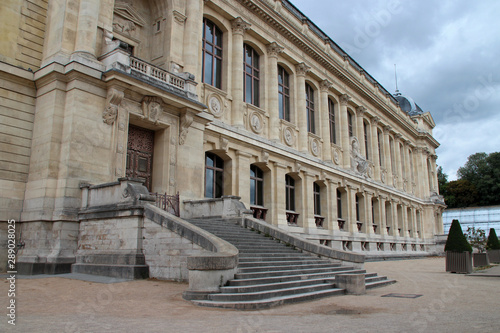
x=314, y=147
x=288, y=136
x=215, y=107
x=336, y=156
x=256, y=122
x=382, y=177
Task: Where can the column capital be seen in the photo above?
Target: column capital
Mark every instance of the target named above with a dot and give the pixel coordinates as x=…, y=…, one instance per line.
x=344, y=99
x=274, y=49
x=240, y=26
x=302, y=69
x=387, y=129
x=360, y=111
x=325, y=85
x=375, y=120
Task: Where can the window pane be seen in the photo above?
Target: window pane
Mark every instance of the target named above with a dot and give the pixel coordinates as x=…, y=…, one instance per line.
x=218, y=184
x=256, y=96
x=209, y=183
x=218, y=37
x=208, y=68
x=218, y=73
x=281, y=107
x=209, y=35
x=260, y=193
x=248, y=89
x=252, y=192
x=292, y=199
x=209, y=160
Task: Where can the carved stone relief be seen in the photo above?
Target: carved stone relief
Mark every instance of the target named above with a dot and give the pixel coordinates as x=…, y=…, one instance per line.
x=289, y=136
x=358, y=161
x=336, y=156
x=314, y=146
x=256, y=122
x=113, y=101
x=215, y=106
x=186, y=121
x=152, y=107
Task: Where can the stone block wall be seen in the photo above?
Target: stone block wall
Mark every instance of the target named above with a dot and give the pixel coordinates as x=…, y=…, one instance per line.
x=166, y=252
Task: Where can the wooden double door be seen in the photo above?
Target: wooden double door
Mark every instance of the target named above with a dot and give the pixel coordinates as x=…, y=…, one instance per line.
x=140, y=149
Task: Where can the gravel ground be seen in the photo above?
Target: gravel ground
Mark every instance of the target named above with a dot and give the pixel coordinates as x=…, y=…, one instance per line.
x=448, y=303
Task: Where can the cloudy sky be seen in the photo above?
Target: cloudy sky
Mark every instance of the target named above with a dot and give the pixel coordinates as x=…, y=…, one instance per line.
x=448, y=60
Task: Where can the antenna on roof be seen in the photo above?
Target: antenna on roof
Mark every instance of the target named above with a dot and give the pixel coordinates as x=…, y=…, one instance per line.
x=396, y=77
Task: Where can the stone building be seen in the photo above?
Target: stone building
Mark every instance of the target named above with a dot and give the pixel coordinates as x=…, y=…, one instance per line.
x=244, y=98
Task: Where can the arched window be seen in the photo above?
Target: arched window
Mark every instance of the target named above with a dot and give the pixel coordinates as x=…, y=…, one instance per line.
x=256, y=186
x=331, y=112
x=349, y=124
x=284, y=93
x=251, y=77
x=214, y=175
x=212, y=54
x=317, y=199
x=310, y=108
x=290, y=193
x=365, y=133
x=340, y=218
x=379, y=143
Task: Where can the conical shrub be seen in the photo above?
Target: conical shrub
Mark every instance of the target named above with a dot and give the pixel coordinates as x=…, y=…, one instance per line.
x=492, y=243
x=456, y=241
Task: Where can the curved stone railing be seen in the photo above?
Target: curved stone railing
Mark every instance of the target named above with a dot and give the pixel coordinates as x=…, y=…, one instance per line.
x=207, y=273
x=303, y=244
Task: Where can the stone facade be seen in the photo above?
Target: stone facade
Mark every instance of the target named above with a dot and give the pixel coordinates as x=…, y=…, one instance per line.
x=75, y=75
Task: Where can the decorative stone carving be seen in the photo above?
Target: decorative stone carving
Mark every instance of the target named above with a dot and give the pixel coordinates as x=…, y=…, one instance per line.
x=265, y=157
x=302, y=69
x=239, y=26
x=179, y=17
x=186, y=121
x=375, y=120
x=360, y=111
x=224, y=143
x=344, y=99
x=256, y=122
x=152, y=108
x=336, y=156
x=109, y=44
x=113, y=100
x=383, y=177
x=289, y=136
x=325, y=85
x=274, y=49
x=215, y=106
x=314, y=145
x=126, y=28
x=358, y=161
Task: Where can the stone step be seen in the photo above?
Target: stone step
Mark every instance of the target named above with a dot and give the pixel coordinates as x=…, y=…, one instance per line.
x=272, y=286
x=255, y=269
x=272, y=302
x=267, y=250
x=284, y=278
x=259, y=295
x=380, y=283
x=257, y=263
x=264, y=256
x=299, y=271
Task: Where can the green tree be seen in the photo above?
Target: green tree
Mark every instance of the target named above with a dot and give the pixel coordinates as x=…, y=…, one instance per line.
x=456, y=241
x=461, y=193
x=493, y=243
x=483, y=171
x=442, y=180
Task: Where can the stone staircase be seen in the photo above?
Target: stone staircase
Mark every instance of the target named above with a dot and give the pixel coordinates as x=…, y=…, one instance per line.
x=271, y=273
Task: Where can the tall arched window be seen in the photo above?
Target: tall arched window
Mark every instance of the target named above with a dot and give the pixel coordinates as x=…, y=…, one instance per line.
x=317, y=199
x=256, y=186
x=214, y=175
x=379, y=143
x=212, y=54
x=284, y=93
x=340, y=218
x=349, y=124
x=290, y=193
x=331, y=112
x=365, y=133
x=252, y=76
x=310, y=108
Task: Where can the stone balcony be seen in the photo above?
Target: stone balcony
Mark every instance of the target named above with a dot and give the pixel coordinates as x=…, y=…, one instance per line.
x=181, y=84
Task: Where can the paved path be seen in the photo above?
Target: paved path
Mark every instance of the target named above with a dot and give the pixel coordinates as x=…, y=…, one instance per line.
x=427, y=300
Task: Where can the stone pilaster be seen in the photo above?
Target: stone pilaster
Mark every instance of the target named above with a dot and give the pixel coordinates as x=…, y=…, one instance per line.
x=374, y=148
x=239, y=27
x=301, y=70
x=344, y=101
x=273, y=50
x=360, y=133
x=86, y=32
x=324, y=117
x=387, y=155
x=192, y=42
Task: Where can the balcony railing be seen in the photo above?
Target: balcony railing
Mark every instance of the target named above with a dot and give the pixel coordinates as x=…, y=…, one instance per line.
x=292, y=217
x=319, y=221
x=179, y=83
x=259, y=212
x=169, y=203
